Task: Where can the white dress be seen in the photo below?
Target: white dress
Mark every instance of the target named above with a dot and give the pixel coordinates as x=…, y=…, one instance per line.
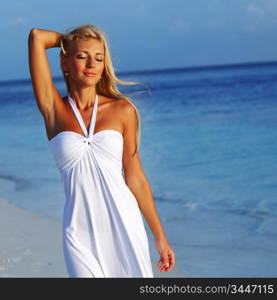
x=103, y=229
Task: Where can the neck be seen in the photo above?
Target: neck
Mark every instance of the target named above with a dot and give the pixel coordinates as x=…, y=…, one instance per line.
x=84, y=98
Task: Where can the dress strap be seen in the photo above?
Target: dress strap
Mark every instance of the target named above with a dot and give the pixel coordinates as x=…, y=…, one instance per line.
x=80, y=119
x=93, y=118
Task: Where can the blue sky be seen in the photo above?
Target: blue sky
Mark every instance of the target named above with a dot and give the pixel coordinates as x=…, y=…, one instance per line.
x=146, y=34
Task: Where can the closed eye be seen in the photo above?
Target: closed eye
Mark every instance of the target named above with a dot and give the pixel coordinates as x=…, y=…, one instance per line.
x=82, y=57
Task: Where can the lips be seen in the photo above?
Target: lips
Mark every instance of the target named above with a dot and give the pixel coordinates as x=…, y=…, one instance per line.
x=90, y=74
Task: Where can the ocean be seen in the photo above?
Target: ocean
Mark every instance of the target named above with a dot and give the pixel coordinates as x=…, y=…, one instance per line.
x=208, y=148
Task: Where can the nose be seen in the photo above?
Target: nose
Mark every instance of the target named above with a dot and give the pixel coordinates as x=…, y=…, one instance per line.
x=90, y=62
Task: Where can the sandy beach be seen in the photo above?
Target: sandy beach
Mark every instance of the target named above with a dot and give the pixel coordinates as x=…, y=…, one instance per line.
x=31, y=245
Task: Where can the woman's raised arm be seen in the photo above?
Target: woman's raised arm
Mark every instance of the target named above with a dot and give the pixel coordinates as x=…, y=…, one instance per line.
x=45, y=92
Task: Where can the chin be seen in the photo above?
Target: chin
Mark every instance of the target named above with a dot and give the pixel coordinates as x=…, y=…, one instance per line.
x=91, y=79
x=88, y=81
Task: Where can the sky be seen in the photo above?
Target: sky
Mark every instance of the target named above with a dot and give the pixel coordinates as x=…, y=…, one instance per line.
x=146, y=34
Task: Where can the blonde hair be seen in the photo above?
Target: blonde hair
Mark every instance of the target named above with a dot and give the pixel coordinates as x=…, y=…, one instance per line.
x=107, y=85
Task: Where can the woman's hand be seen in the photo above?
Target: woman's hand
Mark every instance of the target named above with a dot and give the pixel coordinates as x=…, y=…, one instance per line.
x=167, y=255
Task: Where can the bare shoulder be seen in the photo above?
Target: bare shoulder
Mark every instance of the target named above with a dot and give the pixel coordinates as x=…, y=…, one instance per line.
x=126, y=110
x=119, y=114
x=129, y=119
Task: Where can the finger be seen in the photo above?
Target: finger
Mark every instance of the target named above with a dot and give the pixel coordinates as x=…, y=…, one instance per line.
x=172, y=258
x=162, y=266
x=171, y=261
x=159, y=263
x=169, y=268
x=166, y=260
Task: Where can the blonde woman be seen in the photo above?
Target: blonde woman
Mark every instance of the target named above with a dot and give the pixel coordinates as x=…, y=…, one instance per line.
x=94, y=134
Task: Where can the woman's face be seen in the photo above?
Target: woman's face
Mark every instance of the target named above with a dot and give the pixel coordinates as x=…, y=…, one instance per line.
x=85, y=57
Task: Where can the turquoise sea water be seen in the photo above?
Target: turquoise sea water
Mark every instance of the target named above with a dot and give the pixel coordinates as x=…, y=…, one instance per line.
x=208, y=148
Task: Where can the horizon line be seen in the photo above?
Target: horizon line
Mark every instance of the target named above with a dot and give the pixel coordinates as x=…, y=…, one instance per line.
x=173, y=69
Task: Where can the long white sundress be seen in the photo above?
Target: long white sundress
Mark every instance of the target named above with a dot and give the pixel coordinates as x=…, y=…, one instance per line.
x=103, y=230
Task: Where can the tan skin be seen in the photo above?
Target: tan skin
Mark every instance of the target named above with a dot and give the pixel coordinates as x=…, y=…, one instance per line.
x=58, y=116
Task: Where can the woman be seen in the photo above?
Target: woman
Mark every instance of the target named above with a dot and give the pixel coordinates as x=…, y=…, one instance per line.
x=103, y=230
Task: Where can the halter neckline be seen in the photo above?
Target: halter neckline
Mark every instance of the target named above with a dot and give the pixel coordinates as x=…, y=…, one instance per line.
x=90, y=131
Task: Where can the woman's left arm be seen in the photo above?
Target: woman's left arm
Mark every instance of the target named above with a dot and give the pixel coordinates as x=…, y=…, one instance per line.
x=140, y=187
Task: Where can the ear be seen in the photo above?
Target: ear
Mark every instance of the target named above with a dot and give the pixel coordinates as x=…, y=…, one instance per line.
x=64, y=66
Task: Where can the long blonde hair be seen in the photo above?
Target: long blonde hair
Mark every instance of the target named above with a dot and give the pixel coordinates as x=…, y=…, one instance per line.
x=107, y=85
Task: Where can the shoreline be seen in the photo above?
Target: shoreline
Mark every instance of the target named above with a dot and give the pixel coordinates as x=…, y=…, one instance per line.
x=31, y=245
